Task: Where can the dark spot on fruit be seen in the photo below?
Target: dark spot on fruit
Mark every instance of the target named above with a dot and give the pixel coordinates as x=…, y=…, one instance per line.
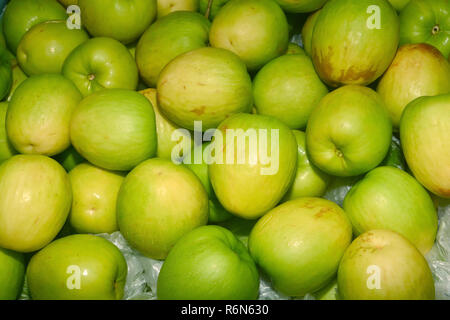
x=322, y=211
x=199, y=111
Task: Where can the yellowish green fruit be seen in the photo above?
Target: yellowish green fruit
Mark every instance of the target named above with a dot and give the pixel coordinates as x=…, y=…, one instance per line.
x=164, y=7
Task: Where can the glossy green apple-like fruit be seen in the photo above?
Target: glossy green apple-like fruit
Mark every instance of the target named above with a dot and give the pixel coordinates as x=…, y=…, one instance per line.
x=399, y=4
x=6, y=148
x=299, y=244
x=424, y=129
x=307, y=31
x=101, y=63
x=166, y=39
x=297, y=6
x=21, y=15
x=253, y=165
x=423, y=21
x=34, y=203
x=383, y=265
x=166, y=7
x=158, y=203
x=12, y=274
x=123, y=20
x=165, y=129
x=217, y=212
x=309, y=181
x=209, y=263
x=94, y=199
x=77, y=267
x=255, y=30
x=45, y=47
x=389, y=198
x=417, y=70
x=6, y=76
x=288, y=88
x=349, y=132
x=206, y=84
x=114, y=129
x=216, y=5
x=38, y=117
x=363, y=42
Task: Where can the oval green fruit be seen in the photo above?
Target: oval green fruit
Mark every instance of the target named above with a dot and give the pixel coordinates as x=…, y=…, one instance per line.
x=253, y=165
x=114, y=129
x=389, y=198
x=35, y=199
x=383, y=265
x=158, y=203
x=209, y=263
x=299, y=244
x=12, y=274
x=123, y=20
x=6, y=148
x=21, y=15
x=309, y=181
x=166, y=39
x=166, y=7
x=256, y=30
x=349, y=132
x=39, y=114
x=417, y=70
x=101, y=63
x=288, y=88
x=206, y=84
x=424, y=132
x=363, y=42
x=298, y=6
x=94, y=199
x=423, y=21
x=77, y=267
x=6, y=76
x=45, y=47
x=307, y=31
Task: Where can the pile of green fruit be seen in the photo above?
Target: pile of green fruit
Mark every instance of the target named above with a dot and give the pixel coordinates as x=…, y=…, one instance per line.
x=209, y=140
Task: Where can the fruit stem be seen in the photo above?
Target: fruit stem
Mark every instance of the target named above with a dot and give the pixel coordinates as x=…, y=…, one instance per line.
x=208, y=9
x=435, y=29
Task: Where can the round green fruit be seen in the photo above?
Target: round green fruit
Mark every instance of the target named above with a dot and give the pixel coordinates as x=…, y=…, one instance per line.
x=417, y=70
x=123, y=20
x=399, y=4
x=288, y=88
x=6, y=148
x=424, y=129
x=166, y=7
x=167, y=38
x=298, y=6
x=21, y=15
x=35, y=201
x=307, y=31
x=114, y=129
x=423, y=21
x=389, y=198
x=69, y=158
x=12, y=274
x=349, y=132
x=101, y=63
x=94, y=199
x=165, y=130
x=253, y=165
x=382, y=265
x=256, y=30
x=45, y=47
x=309, y=181
x=354, y=42
x=6, y=76
x=77, y=267
x=206, y=84
x=209, y=263
x=158, y=203
x=38, y=117
x=299, y=244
